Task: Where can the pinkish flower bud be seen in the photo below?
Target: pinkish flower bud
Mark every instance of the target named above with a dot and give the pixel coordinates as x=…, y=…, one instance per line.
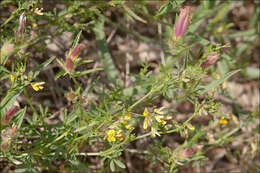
x=211, y=59
x=69, y=64
x=76, y=50
x=22, y=22
x=10, y=113
x=187, y=152
x=182, y=23
x=14, y=129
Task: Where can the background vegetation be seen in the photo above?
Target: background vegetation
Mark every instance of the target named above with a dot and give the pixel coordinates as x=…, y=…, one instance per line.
x=105, y=86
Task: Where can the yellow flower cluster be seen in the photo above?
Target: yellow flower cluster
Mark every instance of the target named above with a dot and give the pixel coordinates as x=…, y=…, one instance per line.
x=113, y=135
x=157, y=115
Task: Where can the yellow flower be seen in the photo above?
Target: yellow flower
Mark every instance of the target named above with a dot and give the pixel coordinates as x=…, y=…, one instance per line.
x=30, y=76
x=147, y=122
x=145, y=113
x=129, y=127
x=37, y=85
x=223, y=85
x=159, y=111
x=34, y=24
x=223, y=120
x=127, y=116
x=111, y=135
x=38, y=11
x=213, y=92
x=120, y=136
x=159, y=119
x=154, y=132
x=124, y=122
x=191, y=127
x=12, y=78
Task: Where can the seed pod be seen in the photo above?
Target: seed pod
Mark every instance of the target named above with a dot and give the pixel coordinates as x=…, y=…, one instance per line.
x=22, y=22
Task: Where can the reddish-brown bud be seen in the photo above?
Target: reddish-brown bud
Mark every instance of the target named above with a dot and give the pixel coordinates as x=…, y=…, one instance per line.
x=182, y=23
x=10, y=113
x=75, y=52
x=69, y=64
x=22, y=22
x=187, y=152
x=211, y=59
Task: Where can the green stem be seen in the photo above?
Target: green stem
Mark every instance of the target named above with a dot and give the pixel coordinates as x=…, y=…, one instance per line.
x=181, y=127
x=144, y=97
x=88, y=154
x=30, y=101
x=142, y=136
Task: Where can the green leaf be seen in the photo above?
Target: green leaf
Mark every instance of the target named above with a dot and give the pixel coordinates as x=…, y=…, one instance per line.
x=195, y=25
x=20, y=116
x=112, y=166
x=75, y=43
x=9, y=99
x=198, y=39
x=223, y=66
x=221, y=13
x=132, y=14
x=73, y=115
x=103, y=51
x=168, y=6
x=217, y=82
x=246, y=33
x=37, y=70
x=76, y=74
x=61, y=73
x=120, y=164
x=4, y=73
x=84, y=62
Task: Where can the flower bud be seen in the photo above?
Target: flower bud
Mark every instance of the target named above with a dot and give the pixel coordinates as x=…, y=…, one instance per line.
x=69, y=64
x=76, y=50
x=187, y=152
x=211, y=59
x=182, y=23
x=22, y=22
x=10, y=113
